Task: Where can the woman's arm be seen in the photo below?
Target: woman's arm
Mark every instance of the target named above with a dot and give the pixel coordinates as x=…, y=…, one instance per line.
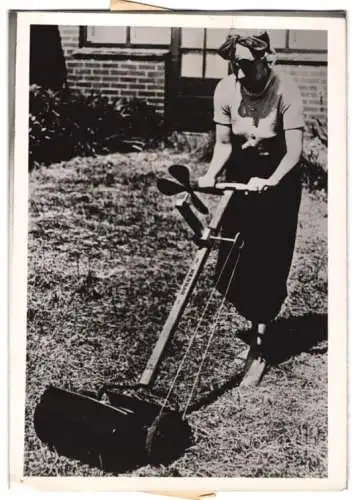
x=221, y=154
x=293, y=140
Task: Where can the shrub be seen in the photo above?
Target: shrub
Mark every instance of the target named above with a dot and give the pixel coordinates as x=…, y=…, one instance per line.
x=64, y=124
x=199, y=145
x=314, y=158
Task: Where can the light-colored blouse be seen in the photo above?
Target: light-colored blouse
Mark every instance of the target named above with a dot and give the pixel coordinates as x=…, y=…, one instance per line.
x=255, y=117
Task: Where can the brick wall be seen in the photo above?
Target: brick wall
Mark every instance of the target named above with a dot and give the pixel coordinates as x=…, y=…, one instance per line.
x=120, y=78
x=70, y=38
x=312, y=82
x=115, y=73
x=142, y=73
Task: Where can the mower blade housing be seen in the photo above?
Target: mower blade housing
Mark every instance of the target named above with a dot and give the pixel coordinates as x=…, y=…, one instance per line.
x=111, y=436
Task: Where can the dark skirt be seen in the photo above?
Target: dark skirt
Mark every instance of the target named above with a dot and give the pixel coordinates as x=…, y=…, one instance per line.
x=267, y=223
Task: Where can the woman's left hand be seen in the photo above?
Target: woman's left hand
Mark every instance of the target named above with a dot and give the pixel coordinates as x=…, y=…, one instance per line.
x=260, y=184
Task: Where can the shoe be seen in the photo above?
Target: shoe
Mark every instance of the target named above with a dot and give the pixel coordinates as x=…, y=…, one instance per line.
x=255, y=365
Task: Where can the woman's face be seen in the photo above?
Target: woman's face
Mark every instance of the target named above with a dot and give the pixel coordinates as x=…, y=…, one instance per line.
x=251, y=67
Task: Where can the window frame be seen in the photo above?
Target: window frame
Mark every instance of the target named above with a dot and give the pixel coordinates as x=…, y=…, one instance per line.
x=288, y=48
x=204, y=51
x=84, y=42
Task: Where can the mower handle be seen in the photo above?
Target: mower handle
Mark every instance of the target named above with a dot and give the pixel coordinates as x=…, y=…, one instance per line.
x=220, y=187
x=233, y=186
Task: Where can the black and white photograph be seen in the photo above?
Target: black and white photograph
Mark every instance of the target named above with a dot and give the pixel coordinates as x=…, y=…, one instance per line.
x=177, y=248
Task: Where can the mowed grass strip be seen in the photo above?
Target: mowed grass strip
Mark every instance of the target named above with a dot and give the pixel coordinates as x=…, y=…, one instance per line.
x=107, y=253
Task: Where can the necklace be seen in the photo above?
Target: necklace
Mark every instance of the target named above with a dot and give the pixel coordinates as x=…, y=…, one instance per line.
x=255, y=105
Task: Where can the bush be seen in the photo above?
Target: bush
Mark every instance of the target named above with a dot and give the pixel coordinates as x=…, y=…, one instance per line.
x=314, y=158
x=64, y=124
x=199, y=145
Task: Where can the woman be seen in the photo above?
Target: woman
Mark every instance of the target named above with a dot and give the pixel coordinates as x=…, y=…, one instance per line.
x=259, y=128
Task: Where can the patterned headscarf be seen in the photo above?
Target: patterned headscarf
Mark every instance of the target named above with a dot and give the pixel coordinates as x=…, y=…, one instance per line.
x=258, y=44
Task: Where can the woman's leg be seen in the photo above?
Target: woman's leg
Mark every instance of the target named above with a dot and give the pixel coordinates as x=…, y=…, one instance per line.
x=256, y=364
x=259, y=330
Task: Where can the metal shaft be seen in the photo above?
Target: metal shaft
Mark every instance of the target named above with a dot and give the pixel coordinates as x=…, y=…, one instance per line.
x=183, y=295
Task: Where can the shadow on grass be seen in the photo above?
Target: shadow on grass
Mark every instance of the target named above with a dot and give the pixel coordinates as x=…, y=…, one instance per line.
x=292, y=336
x=287, y=338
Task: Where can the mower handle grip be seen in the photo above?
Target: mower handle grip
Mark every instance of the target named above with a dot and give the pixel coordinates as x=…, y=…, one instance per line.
x=233, y=186
x=220, y=187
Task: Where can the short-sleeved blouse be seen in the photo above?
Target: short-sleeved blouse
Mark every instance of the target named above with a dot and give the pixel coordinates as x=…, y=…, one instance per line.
x=260, y=116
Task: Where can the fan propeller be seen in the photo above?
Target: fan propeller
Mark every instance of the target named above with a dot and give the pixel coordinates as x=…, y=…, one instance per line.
x=169, y=187
x=183, y=184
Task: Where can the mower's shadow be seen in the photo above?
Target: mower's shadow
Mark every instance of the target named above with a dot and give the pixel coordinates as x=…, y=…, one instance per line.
x=287, y=338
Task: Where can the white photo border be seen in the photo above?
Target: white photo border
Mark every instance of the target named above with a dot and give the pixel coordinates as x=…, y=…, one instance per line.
x=337, y=254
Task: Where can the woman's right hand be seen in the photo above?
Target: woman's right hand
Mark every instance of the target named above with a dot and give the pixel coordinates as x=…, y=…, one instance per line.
x=206, y=181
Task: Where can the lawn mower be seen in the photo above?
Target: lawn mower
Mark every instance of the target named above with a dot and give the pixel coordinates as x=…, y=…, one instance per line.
x=130, y=425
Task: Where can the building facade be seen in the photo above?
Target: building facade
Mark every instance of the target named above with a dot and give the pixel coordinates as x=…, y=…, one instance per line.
x=176, y=69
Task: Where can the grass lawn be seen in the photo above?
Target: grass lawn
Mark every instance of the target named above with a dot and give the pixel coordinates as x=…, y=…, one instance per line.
x=107, y=253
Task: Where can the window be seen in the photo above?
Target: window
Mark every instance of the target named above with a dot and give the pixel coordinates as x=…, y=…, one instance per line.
x=215, y=66
x=308, y=39
x=192, y=38
x=105, y=35
x=192, y=65
x=128, y=36
x=198, y=45
x=198, y=50
x=198, y=57
x=215, y=37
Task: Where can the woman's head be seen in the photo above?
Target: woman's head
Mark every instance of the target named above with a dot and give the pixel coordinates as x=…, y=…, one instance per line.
x=250, y=58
